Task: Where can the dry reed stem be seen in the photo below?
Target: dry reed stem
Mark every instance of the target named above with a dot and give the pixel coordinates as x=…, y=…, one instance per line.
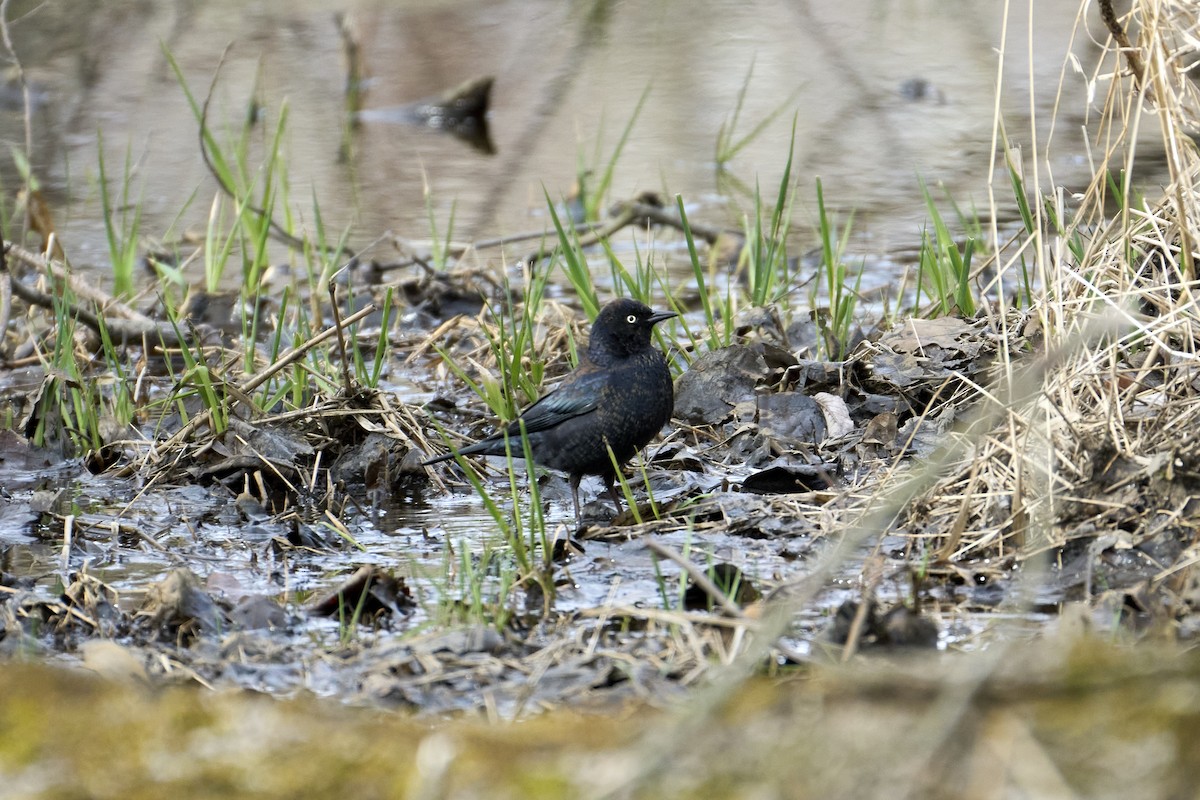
x=1116, y=380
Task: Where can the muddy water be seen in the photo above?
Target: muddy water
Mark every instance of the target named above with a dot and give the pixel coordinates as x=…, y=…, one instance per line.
x=880, y=94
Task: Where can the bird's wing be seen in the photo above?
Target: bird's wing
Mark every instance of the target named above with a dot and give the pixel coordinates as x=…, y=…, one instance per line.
x=579, y=395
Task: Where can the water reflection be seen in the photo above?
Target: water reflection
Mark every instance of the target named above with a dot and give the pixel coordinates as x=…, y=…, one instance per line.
x=879, y=93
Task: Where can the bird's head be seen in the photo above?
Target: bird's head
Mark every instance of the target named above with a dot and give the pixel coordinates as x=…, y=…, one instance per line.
x=623, y=328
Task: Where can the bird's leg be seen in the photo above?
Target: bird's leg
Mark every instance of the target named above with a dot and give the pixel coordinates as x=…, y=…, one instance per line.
x=613, y=494
x=575, y=496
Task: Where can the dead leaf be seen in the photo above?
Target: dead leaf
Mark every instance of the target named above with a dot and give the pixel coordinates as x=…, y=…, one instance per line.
x=837, y=415
x=917, y=335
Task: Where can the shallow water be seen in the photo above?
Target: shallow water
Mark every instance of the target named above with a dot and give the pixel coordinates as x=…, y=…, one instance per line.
x=881, y=95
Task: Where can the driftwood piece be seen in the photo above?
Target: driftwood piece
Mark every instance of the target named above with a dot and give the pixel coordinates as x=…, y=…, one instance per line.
x=461, y=111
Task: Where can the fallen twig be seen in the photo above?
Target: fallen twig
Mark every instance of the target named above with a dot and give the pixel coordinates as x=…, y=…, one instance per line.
x=699, y=578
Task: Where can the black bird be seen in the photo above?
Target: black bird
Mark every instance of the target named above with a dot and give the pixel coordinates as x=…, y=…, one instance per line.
x=619, y=396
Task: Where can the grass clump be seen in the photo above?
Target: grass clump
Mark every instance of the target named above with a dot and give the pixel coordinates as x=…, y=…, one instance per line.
x=835, y=319
x=944, y=272
x=122, y=224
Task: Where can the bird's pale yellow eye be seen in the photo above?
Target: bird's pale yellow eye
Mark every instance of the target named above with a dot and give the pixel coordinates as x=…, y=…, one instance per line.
x=631, y=319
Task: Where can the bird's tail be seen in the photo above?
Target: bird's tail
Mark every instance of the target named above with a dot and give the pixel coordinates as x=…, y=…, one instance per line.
x=484, y=447
x=438, y=459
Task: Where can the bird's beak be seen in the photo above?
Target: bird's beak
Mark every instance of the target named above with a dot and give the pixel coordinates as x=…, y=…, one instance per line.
x=659, y=316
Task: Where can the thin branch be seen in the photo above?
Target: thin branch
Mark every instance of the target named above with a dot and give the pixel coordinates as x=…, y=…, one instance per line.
x=1132, y=57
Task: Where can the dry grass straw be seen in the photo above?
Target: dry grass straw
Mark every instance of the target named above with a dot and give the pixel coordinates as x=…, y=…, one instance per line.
x=469, y=339
x=1090, y=419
